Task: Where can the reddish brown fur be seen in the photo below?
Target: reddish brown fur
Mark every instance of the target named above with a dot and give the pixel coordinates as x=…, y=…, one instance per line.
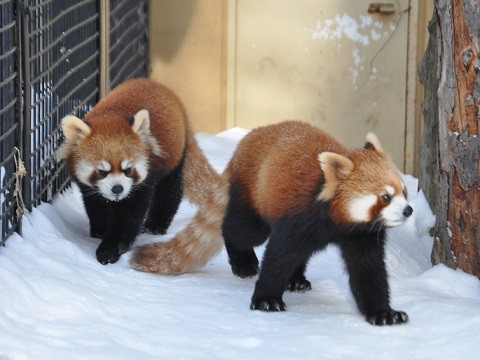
x=373, y=172
x=168, y=122
x=281, y=182
x=278, y=169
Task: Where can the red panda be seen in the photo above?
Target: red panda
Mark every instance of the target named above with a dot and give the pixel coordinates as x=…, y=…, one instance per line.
x=299, y=187
x=132, y=157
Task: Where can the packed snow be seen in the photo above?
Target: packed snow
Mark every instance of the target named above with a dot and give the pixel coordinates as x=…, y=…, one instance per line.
x=58, y=302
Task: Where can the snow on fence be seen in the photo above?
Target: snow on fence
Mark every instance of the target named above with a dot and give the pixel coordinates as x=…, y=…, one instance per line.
x=51, y=50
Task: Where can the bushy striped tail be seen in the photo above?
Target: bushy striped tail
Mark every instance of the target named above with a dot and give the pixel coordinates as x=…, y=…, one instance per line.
x=202, y=239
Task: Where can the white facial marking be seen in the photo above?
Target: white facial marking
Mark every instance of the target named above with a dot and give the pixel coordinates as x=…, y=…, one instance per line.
x=393, y=213
x=360, y=208
x=142, y=168
x=125, y=164
x=390, y=190
x=105, y=186
x=84, y=171
x=104, y=166
x=403, y=186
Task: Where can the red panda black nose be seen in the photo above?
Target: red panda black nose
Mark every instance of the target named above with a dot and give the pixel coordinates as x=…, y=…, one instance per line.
x=117, y=189
x=407, y=211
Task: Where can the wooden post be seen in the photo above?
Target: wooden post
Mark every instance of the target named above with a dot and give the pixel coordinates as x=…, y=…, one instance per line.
x=104, y=47
x=450, y=178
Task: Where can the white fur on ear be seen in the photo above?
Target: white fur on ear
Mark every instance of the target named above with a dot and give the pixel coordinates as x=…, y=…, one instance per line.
x=336, y=168
x=74, y=130
x=372, y=141
x=141, y=122
x=141, y=125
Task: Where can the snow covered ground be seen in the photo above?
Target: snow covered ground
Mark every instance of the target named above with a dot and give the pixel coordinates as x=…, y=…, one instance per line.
x=58, y=302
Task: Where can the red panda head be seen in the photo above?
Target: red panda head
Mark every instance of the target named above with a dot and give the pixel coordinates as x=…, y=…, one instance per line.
x=364, y=187
x=111, y=154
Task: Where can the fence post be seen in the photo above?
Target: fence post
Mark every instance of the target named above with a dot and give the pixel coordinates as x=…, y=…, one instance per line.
x=23, y=14
x=104, y=47
x=19, y=8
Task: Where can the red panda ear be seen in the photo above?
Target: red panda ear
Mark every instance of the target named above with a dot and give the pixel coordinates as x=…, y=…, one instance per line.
x=141, y=122
x=336, y=168
x=141, y=125
x=373, y=143
x=74, y=130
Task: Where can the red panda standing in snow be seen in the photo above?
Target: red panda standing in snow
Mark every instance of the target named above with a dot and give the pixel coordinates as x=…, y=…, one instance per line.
x=131, y=157
x=299, y=187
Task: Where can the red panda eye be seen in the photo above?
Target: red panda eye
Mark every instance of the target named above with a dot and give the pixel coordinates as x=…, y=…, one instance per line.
x=127, y=171
x=387, y=198
x=103, y=172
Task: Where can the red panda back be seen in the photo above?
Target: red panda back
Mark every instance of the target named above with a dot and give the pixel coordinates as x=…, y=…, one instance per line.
x=168, y=120
x=277, y=166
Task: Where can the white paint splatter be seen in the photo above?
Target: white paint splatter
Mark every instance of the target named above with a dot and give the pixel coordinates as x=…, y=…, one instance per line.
x=340, y=26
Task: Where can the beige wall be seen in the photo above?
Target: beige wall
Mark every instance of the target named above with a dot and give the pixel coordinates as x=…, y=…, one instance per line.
x=276, y=68
x=187, y=50
x=312, y=60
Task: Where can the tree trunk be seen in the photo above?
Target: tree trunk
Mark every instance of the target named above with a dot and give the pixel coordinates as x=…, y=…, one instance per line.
x=450, y=178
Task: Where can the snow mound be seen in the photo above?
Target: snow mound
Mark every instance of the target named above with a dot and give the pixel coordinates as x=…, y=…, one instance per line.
x=58, y=302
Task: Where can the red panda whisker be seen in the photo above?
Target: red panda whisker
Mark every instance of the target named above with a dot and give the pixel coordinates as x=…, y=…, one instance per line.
x=380, y=229
x=374, y=222
x=351, y=229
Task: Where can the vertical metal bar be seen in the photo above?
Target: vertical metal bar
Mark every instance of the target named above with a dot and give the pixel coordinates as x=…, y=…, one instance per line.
x=19, y=93
x=26, y=149
x=104, y=47
x=147, y=38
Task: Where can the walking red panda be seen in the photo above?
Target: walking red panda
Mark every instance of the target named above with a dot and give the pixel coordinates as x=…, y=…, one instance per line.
x=299, y=187
x=132, y=157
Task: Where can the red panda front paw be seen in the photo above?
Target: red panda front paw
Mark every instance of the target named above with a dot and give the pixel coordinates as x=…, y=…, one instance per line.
x=299, y=285
x=108, y=253
x=154, y=229
x=389, y=317
x=268, y=304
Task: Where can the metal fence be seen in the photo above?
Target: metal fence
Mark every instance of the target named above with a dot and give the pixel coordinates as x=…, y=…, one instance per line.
x=50, y=67
x=10, y=127
x=128, y=40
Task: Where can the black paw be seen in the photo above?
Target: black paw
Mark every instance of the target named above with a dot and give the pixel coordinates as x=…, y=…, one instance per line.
x=245, y=270
x=110, y=253
x=154, y=229
x=244, y=264
x=270, y=304
x=300, y=285
x=389, y=317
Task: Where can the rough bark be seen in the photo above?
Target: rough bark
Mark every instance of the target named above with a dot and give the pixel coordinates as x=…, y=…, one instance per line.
x=450, y=178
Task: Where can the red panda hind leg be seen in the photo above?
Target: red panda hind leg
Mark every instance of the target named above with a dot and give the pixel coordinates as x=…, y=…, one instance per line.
x=165, y=202
x=242, y=230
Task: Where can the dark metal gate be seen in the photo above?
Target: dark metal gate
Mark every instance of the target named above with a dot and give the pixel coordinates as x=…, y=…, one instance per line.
x=10, y=127
x=50, y=67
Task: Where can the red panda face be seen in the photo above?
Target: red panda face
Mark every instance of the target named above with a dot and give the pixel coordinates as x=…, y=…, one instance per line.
x=366, y=187
x=111, y=156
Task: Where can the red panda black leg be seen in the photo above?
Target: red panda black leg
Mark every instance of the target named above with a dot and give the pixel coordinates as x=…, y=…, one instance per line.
x=298, y=282
x=283, y=260
x=365, y=261
x=242, y=230
x=124, y=224
x=166, y=199
x=97, y=210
